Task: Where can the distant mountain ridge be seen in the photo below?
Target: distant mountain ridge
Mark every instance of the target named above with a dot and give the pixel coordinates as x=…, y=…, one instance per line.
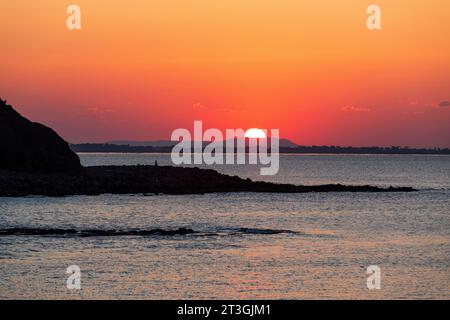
x=126, y=148
x=167, y=143
x=150, y=143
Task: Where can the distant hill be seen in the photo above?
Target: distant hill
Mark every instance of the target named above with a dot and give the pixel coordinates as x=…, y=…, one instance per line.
x=132, y=143
x=287, y=143
x=167, y=143
x=106, y=147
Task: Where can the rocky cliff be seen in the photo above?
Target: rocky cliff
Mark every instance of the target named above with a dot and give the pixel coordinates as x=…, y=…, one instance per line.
x=33, y=147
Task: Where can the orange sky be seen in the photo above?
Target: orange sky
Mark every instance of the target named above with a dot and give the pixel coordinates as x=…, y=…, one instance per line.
x=139, y=69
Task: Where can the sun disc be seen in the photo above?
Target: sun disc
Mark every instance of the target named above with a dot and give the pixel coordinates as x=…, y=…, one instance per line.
x=255, y=133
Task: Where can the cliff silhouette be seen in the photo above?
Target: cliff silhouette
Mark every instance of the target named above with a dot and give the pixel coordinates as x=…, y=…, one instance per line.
x=34, y=160
x=30, y=146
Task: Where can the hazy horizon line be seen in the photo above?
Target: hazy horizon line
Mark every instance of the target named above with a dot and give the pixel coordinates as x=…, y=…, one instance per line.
x=116, y=142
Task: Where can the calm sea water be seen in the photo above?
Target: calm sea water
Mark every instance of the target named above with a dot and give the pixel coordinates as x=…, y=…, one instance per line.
x=337, y=236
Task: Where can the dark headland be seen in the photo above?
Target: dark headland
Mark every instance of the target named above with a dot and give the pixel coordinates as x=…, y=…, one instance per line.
x=34, y=160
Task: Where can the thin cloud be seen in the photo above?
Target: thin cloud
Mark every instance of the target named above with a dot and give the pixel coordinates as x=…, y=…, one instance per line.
x=100, y=112
x=444, y=104
x=198, y=105
x=351, y=108
x=226, y=110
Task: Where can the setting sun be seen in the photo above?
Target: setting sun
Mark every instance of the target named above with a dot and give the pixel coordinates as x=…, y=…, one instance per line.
x=231, y=158
x=255, y=133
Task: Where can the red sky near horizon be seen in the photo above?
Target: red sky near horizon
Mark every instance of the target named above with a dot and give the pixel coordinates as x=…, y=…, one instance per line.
x=138, y=69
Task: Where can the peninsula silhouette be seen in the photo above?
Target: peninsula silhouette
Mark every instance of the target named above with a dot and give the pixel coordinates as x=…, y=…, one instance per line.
x=35, y=160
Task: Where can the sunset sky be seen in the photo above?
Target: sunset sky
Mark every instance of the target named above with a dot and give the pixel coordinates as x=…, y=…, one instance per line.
x=138, y=69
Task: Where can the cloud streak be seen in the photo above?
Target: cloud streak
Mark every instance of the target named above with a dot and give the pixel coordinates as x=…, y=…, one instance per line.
x=351, y=108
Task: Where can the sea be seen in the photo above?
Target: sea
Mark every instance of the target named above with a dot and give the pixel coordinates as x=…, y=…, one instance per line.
x=246, y=245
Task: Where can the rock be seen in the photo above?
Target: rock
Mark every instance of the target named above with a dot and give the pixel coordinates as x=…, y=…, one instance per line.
x=152, y=180
x=93, y=233
x=33, y=147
